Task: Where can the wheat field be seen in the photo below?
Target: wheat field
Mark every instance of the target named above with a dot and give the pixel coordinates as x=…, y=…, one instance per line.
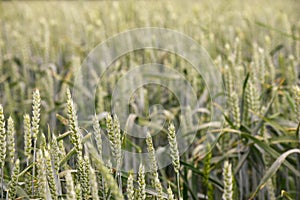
x=251, y=150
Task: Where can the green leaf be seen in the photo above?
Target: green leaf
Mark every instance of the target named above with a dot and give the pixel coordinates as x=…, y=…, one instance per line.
x=284, y=139
x=272, y=170
x=270, y=151
x=197, y=171
x=243, y=96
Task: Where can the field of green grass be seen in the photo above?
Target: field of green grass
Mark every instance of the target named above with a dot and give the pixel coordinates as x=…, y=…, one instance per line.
x=234, y=136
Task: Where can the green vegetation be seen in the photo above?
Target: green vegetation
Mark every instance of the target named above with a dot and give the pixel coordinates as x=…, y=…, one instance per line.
x=253, y=151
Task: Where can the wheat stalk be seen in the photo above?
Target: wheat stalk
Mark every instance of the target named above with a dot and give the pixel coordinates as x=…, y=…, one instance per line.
x=130, y=187
x=174, y=153
x=11, y=140
x=27, y=137
x=50, y=175
x=71, y=195
x=73, y=125
x=93, y=184
x=296, y=91
x=84, y=178
x=78, y=192
x=2, y=146
x=141, y=192
x=97, y=134
x=170, y=194
x=12, y=191
x=114, y=136
x=235, y=109
x=36, y=104
x=152, y=159
x=27, y=149
x=252, y=98
x=41, y=174
x=109, y=180
x=206, y=173
x=228, y=182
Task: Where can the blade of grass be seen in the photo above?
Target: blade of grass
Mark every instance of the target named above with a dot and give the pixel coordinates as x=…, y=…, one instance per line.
x=272, y=170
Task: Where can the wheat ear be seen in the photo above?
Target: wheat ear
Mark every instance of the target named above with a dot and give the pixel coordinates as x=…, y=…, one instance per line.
x=71, y=195
x=93, y=184
x=174, y=153
x=97, y=135
x=130, y=187
x=27, y=137
x=73, y=125
x=11, y=140
x=228, y=182
x=155, y=180
x=107, y=176
x=36, y=104
x=12, y=191
x=170, y=194
x=141, y=194
x=50, y=175
x=2, y=146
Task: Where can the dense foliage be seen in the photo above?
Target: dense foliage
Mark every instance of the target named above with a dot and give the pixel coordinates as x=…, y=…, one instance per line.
x=253, y=150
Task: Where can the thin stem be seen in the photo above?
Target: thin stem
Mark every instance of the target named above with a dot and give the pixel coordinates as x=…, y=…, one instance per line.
x=103, y=186
x=120, y=181
x=62, y=136
x=33, y=167
x=73, y=150
x=25, y=170
x=178, y=184
x=2, y=181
